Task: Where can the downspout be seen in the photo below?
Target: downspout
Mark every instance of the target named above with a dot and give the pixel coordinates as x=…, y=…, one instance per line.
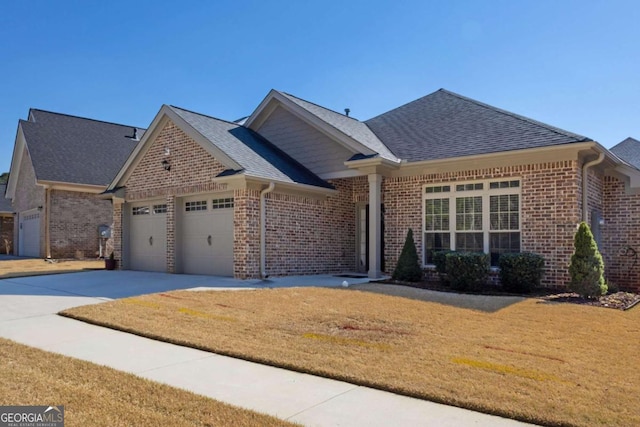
x=585, y=185
x=47, y=214
x=263, y=230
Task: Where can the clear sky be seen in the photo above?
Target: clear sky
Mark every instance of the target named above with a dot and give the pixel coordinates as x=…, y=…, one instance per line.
x=572, y=64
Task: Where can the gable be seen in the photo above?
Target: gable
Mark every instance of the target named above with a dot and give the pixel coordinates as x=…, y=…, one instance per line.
x=312, y=148
x=191, y=165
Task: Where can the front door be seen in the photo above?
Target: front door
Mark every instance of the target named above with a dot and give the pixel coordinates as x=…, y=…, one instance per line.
x=362, y=238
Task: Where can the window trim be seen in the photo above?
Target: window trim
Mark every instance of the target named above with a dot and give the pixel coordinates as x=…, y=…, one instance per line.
x=485, y=193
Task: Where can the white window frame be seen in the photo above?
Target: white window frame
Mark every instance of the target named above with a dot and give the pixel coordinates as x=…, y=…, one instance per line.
x=485, y=193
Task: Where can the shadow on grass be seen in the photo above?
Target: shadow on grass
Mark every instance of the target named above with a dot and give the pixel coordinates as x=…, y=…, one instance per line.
x=486, y=303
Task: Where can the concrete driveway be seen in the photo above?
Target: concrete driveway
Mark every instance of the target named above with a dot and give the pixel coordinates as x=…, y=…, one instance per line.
x=27, y=315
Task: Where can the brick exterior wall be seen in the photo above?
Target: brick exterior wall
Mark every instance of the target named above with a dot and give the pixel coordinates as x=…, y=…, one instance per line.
x=73, y=223
x=549, y=210
x=6, y=233
x=246, y=223
x=311, y=236
x=621, y=235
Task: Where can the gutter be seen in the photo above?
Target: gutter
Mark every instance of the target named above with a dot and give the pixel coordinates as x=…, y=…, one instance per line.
x=585, y=184
x=263, y=230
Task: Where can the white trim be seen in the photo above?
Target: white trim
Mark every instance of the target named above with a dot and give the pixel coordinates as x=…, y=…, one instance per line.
x=16, y=160
x=454, y=194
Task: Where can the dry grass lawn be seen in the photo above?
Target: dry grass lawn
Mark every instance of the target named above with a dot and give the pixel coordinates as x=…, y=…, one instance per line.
x=95, y=395
x=35, y=267
x=553, y=364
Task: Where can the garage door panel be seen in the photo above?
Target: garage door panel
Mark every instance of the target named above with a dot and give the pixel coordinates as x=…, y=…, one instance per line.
x=147, y=238
x=29, y=234
x=207, y=237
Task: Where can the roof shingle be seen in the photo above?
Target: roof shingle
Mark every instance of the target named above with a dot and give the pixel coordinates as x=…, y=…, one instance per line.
x=446, y=125
x=76, y=150
x=629, y=151
x=257, y=156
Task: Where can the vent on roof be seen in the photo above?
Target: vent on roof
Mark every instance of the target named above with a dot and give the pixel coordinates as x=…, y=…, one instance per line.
x=134, y=136
x=347, y=111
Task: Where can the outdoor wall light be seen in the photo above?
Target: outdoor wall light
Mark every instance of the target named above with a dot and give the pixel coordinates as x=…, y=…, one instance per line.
x=166, y=165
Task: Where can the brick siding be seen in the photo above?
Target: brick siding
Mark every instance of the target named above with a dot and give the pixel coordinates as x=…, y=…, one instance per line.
x=549, y=211
x=621, y=235
x=73, y=223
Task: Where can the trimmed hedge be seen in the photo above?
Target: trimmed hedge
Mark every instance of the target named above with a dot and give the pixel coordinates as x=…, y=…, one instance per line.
x=440, y=261
x=467, y=270
x=408, y=268
x=521, y=272
x=587, y=268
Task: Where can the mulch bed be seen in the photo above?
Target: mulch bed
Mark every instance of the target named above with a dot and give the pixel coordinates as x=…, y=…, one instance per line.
x=618, y=300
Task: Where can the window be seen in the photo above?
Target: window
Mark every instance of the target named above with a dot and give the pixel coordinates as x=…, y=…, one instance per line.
x=222, y=203
x=200, y=205
x=474, y=217
x=159, y=209
x=140, y=210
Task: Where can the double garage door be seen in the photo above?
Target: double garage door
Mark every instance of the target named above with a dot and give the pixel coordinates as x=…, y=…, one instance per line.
x=204, y=236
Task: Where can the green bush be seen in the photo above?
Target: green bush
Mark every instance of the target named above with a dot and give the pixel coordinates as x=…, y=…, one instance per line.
x=467, y=270
x=440, y=261
x=408, y=268
x=587, y=268
x=521, y=272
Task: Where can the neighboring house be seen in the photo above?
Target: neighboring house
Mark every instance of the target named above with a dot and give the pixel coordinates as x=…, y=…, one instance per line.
x=6, y=223
x=300, y=189
x=60, y=164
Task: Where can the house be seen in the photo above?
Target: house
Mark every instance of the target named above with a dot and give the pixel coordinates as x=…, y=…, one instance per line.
x=296, y=188
x=6, y=223
x=59, y=166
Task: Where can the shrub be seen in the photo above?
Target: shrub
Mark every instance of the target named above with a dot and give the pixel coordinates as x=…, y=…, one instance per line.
x=467, y=270
x=521, y=272
x=612, y=288
x=587, y=268
x=440, y=261
x=408, y=268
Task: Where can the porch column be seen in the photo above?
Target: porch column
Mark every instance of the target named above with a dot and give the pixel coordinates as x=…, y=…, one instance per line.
x=375, y=237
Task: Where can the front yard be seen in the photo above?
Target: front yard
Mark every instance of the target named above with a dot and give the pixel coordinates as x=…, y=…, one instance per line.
x=99, y=396
x=533, y=360
x=36, y=266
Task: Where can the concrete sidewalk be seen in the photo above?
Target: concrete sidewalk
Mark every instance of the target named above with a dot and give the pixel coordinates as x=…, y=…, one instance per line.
x=27, y=315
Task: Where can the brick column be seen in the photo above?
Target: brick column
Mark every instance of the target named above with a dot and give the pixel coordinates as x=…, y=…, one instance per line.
x=171, y=234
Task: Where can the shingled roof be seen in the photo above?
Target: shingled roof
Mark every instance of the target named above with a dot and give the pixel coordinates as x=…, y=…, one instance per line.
x=76, y=150
x=257, y=156
x=446, y=125
x=629, y=151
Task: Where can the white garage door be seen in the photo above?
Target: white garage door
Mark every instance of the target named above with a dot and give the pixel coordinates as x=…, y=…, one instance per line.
x=207, y=236
x=148, y=236
x=29, y=233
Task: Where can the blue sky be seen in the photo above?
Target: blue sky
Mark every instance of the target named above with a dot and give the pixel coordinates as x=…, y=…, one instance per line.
x=572, y=64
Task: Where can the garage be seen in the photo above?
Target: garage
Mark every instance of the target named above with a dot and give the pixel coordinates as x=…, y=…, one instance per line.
x=29, y=233
x=148, y=236
x=207, y=235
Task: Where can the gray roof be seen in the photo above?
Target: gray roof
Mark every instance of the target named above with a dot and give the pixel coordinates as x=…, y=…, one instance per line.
x=629, y=151
x=257, y=156
x=345, y=124
x=445, y=125
x=5, y=204
x=76, y=150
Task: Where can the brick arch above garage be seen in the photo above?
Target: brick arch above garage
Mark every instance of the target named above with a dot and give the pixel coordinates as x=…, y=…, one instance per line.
x=192, y=167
